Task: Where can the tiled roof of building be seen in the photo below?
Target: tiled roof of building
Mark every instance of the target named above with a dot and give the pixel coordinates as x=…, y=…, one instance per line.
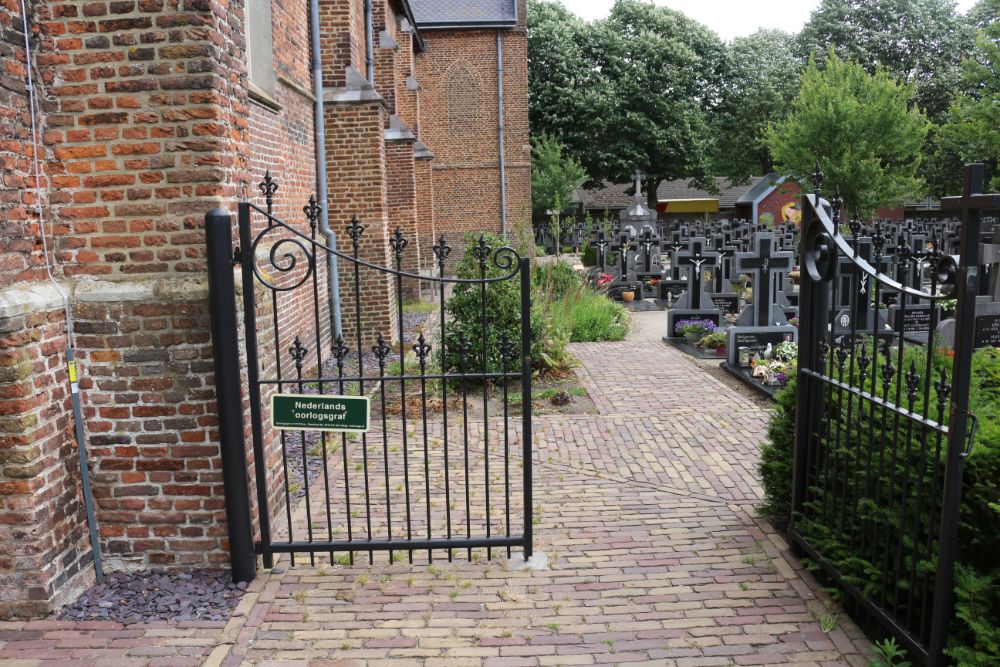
x=760, y=187
x=463, y=13
x=616, y=195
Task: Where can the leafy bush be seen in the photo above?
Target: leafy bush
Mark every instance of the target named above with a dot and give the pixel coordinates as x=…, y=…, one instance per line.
x=597, y=318
x=465, y=312
x=559, y=276
x=975, y=636
x=589, y=256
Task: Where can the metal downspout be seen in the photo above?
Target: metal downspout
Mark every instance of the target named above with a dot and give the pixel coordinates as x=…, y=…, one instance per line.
x=503, y=150
x=369, y=43
x=320, y=140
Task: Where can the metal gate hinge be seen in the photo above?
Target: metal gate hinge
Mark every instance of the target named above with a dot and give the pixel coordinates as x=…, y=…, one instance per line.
x=237, y=256
x=971, y=444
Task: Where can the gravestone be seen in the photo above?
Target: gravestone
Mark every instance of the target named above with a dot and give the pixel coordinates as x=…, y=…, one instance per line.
x=695, y=303
x=763, y=322
x=987, y=329
x=764, y=263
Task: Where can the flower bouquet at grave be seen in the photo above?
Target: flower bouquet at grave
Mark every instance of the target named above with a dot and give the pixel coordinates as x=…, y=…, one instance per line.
x=773, y=371
x=787, y=351
x=714, y=341
x=694, y=330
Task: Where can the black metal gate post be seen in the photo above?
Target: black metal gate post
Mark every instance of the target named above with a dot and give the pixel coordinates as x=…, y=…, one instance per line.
x=222, y=305
x=966, y=289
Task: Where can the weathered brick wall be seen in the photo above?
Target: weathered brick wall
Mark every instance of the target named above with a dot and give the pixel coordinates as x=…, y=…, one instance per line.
x=342, y=26
x=17, y=246
x=150, y=414
x=44, y=552
x=356, y=168
x=459, y=123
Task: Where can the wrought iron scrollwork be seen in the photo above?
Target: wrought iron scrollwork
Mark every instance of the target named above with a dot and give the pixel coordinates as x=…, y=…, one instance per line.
x=398, y=243
x=820, y=253
x=355, y=229
x=312, y=211
x=381, y=350
x=340, y=351
x=268, y=187
x=298, y=352
x=283, y=258
x=442, y=251
x=422, y=349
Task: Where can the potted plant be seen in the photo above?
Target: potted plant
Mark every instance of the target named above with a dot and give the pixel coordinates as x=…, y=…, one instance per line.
x=715, y=341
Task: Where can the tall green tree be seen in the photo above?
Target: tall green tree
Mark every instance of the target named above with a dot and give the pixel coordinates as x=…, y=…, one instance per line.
x=922, y=42
x=664, y=75
x=761, y=80
x=972, y=130
x=633, y=91
x=863, y=129
x=567, y=96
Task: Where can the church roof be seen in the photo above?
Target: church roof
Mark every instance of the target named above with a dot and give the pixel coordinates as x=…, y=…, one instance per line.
x=430, y=14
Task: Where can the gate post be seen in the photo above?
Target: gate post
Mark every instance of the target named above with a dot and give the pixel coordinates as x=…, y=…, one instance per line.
x=225, y=351
x=966, y=290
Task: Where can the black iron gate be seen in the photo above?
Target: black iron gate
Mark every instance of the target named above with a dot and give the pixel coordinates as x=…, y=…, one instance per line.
x=450, y=420
x=882, y=420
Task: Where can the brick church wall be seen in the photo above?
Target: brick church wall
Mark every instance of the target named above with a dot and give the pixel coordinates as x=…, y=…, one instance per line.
x=459, y=112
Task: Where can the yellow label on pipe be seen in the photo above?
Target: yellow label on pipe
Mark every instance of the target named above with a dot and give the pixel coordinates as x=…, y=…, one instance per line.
x=72, y=371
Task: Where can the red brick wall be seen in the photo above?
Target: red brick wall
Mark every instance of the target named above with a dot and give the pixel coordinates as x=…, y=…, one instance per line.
x=459, y=123
x=43, y=539
x=356, y=169
x=342, y=25
x=17, y=225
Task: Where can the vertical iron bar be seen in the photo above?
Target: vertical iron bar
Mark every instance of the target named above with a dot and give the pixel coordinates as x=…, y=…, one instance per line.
x=399, y=247
x=355, y=230
x=442, y=257
x=253, y=383
x=526, y=405
x=486, y=386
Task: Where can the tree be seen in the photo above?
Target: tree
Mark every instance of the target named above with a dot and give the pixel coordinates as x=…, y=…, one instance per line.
x=920, y=41
x=761, y=80
x=566, y=95
x=553, y=177
x=972, y=130
x=632, y=91
x=863, y=129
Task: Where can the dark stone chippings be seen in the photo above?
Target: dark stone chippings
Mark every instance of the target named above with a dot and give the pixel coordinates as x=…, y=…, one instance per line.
x=158, y=595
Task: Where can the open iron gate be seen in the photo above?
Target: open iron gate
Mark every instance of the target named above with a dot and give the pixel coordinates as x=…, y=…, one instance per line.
x=422, y=478
x=882, y=422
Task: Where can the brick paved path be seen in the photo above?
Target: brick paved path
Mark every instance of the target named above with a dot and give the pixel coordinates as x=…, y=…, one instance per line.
x=646, y=513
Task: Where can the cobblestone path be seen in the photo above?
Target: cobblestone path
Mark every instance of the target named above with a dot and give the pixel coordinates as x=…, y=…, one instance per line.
x=646, y=512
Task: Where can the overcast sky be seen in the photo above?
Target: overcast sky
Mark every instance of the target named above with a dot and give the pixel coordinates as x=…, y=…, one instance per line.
x=729, y=18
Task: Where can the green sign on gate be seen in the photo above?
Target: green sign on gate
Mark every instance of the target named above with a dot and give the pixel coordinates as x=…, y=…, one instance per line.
x=299, y=412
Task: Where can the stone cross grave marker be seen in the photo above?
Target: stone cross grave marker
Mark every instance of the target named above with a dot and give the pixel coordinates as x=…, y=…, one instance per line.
x=763, y=263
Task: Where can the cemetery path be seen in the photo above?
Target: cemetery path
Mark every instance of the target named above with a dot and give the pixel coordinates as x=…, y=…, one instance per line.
x=656, y=556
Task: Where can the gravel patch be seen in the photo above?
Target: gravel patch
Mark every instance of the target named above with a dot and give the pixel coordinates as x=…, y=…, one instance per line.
x=158, y=595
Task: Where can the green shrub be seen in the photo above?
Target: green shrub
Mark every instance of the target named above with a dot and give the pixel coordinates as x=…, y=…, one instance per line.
x=465, y=312
x=589, y=257
x=597, y=318
x=559, y=276
x=975, y=631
